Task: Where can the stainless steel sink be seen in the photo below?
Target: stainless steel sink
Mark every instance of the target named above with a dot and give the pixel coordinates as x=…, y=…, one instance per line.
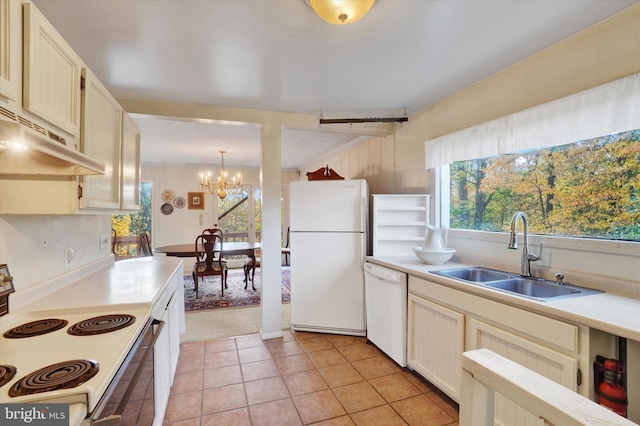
x=475, y=274
x=534, y=288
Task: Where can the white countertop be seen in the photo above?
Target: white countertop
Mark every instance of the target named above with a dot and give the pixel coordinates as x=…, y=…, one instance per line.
x=611, y=313
x=132, y=281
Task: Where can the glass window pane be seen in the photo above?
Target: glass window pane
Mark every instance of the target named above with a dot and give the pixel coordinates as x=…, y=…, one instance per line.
x=232, y=216
x=589, y=188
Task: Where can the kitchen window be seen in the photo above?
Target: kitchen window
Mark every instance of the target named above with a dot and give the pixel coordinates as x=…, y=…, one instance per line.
x=571, y=165
x=128, y=227
x=589, y=189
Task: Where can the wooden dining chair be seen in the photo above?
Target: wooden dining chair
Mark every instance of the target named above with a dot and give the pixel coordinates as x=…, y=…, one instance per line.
x=145, y=245
x=212, y=231
x=250, y=265
x=114, y=238
x=209, y=262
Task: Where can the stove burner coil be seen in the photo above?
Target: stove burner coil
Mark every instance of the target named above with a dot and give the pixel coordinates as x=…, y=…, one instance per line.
x=7, y=372
x=35, y=328
x=63, y=375
x=101, y=324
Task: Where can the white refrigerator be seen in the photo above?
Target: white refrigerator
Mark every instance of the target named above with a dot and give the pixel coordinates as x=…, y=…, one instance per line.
x=328, y=240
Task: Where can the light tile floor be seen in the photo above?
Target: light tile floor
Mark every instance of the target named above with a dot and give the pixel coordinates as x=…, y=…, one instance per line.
x=300, y=379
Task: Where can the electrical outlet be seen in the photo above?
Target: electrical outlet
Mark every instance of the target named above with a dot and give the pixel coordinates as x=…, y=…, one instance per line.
x=69, y=257
x=104, y=241
x=49, y=242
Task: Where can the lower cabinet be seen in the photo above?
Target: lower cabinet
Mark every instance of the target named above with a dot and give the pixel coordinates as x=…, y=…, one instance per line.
x=444, y=322
x=176, y=316
x=435, y=342
x=162, y=371
x=544, y=361
x=167, y=348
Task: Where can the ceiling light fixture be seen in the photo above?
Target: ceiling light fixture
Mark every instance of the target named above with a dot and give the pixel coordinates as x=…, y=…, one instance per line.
x=221, y=187
x=341, y=11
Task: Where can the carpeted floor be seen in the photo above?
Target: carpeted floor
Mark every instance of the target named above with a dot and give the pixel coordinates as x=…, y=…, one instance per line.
x=217, y=323
x=210, y=297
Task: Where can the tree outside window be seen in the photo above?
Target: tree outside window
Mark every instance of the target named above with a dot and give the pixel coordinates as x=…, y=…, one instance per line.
x=589, y=188
x=129, y=226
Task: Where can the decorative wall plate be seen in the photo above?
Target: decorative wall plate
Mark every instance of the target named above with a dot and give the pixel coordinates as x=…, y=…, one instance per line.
x=166, y=208
x=179, y=202
x=167, y=196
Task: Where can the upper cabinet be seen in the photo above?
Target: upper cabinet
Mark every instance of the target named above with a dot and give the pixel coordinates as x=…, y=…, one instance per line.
x=74, y=128
x=130, y=189
x=101, y=139
x=51, y=73
x=10, y=49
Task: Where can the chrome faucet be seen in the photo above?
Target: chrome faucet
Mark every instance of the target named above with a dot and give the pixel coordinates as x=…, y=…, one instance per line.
x=527, y=256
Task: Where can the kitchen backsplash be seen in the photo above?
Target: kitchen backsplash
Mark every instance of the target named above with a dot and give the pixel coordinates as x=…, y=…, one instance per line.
x=34, y=245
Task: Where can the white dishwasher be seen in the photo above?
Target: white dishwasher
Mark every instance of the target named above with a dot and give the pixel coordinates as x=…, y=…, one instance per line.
x=386, y=304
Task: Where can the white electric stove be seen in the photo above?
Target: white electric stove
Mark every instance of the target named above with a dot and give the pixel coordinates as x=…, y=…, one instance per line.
x=102, y=353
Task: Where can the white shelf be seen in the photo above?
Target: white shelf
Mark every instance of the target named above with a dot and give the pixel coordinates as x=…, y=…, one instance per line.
x=399, y=222
x=400, y=238
x=401, y=209
x=381, y=223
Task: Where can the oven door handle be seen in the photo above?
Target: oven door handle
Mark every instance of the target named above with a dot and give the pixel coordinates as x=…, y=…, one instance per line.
x=115, y=417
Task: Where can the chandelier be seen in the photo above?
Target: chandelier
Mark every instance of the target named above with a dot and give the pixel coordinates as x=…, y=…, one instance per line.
x=221, y=187
x=340, y=11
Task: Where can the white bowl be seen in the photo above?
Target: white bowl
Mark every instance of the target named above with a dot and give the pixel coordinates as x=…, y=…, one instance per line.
x=434, y=257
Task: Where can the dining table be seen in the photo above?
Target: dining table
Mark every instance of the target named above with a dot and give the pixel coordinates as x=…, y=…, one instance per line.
x=229, y=248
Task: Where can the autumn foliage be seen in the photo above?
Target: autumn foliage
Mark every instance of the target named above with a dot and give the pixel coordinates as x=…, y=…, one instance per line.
x=589, y=188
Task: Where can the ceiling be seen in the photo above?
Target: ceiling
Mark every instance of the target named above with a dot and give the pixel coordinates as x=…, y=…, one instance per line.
x=278, y=55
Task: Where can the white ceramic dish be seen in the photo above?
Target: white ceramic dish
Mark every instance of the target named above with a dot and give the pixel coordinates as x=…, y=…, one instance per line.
x=434, y=257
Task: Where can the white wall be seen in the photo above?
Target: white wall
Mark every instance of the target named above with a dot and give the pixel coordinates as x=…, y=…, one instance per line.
x=21, y=244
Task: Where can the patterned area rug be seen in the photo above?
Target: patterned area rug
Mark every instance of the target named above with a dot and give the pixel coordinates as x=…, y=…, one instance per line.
x=235, y=296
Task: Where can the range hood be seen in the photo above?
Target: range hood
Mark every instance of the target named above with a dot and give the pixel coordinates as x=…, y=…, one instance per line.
x=48, y=153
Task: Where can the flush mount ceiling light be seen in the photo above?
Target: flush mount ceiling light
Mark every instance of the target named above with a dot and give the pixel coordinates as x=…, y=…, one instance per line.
x=340, y=11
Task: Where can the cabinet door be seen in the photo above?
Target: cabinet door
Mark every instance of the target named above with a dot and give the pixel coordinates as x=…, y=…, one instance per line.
x=130, y=164
x=176, y=309
x=51, y=73
x=549, y=363
x=101, y=136
x=10, y=48
x=435, y=344
x=162, y=371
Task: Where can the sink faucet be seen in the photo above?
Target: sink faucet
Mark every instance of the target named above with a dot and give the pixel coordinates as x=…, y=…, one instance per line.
x=527, y=256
